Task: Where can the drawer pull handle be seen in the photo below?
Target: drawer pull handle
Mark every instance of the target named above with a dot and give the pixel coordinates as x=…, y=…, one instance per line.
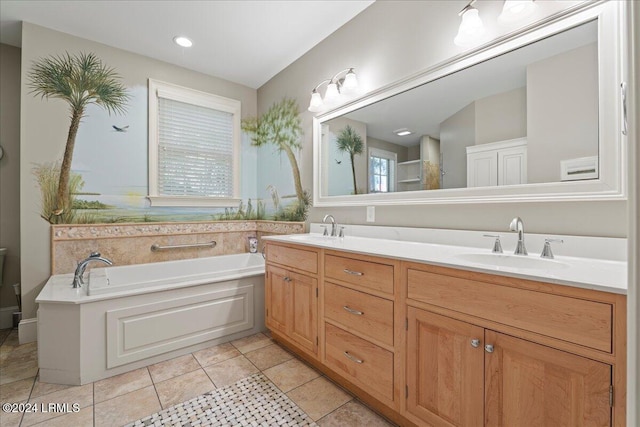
x=353, y=359
x=287, y=279
x=354, y=273
x=352, y=311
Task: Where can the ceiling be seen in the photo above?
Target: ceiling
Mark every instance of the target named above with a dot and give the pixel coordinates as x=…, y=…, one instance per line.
x=247, y=42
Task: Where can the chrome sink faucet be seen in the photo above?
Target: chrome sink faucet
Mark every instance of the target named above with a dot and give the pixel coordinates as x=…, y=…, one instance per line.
x=334, y=228
x=518, y=225
x=82, y=266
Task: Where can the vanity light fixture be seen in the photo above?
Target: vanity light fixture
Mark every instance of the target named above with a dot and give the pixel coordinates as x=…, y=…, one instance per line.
x=182, y=41
x=514, y=10
x=336, y=87
x=471, y=27
x=402, y=132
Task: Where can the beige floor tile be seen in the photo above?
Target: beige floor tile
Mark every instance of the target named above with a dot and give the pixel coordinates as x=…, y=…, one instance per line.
x=251, y=343
x=17, y=354
x=11, y=339
x=4, y=333
x=16, y=391
x=40, y=389
x=80, y=395
x=121, y=384
x=353, y=414
x=216, y=354
x=268, y=356
x=183, y=388
x=82, y=418
x=127, y=408
x=172, y=368
x=18, y=371
x=10, y=419
x=230, y=371
x=319, y=397
x=290, y=374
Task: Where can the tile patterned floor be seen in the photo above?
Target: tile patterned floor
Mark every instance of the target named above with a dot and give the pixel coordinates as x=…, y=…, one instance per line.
x=132, y=396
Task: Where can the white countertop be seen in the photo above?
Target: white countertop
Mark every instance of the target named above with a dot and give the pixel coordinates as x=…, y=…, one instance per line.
x=587, y=273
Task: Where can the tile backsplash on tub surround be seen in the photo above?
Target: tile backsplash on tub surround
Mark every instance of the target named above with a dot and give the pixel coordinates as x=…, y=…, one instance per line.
x=128, y=244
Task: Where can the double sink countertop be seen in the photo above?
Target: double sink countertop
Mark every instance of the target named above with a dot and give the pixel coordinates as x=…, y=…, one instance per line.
x=582, y=272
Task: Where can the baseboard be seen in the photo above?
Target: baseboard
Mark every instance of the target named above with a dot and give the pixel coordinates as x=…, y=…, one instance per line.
x=28, y=330
x=6, y=317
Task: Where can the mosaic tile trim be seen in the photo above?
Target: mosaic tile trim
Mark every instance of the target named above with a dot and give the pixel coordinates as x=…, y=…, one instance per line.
x=253, y=401
x=99, y=231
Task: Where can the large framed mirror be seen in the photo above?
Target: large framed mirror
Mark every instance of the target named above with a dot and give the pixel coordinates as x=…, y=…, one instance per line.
x=533, y=116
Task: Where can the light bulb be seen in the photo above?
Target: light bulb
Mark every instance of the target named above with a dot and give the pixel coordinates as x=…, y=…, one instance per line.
x=350, y=81
x=316, y=102
x=471, y=28
x=332, y=94
x=514, y=10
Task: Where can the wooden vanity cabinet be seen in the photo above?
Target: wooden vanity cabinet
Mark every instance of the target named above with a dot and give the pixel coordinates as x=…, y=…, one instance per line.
x=429, y=345
x=291, y=295
x=466, y=368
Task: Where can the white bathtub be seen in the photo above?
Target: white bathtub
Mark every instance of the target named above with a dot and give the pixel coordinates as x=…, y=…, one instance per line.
x=171, y=274
x=137, y=315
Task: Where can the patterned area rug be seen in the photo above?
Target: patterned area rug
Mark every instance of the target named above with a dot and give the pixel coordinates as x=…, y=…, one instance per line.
x=253, y=401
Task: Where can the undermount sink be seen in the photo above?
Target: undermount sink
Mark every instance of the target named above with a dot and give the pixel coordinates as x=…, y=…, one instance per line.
x=314, y=238
x=501, y=260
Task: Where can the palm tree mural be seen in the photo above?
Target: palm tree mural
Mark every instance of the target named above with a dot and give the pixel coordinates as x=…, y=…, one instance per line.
x=80, y=80
x=281, y=126
x=350, y=142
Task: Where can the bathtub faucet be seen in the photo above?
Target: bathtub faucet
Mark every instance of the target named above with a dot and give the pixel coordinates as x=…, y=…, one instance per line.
x=82, y=266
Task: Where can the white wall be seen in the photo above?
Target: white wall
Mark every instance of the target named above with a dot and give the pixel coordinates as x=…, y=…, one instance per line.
x=409, y=37
x=502, y=116
x=562, y=111
x=456, y=134
x=44, y=126
x=10, y=170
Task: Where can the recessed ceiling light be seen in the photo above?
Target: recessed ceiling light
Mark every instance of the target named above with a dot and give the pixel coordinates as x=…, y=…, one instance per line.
x=182, y=41
x=402, y=132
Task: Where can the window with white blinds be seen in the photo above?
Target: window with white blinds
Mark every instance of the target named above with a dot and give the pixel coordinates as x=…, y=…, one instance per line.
x=193, y=147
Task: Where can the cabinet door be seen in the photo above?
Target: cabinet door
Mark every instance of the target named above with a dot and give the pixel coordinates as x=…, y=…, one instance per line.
x=482, y=169
x=304, y=307
x=529, y=384
x=445, y=371
x=277, y=296
x=512, y=166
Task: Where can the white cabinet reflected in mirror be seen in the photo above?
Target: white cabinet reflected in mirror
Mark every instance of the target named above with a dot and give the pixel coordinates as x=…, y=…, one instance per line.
x=533, y=116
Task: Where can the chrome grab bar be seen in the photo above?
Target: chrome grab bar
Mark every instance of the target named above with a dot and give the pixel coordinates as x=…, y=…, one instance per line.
x=156, y=247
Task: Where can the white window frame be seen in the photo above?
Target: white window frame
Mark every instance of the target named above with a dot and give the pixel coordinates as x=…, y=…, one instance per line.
x=203, y=99
x=392, y=173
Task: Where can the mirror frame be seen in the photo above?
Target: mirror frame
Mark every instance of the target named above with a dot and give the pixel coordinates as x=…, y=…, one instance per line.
x=611, y=183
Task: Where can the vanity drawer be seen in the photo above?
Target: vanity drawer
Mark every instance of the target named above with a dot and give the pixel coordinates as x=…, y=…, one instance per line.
x=583, y=322
x=367, y=314
x=301, y=259
x=366, y=274
x=361, y=362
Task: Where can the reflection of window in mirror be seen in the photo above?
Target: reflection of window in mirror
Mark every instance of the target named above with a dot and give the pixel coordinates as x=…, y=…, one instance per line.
x=382, y=176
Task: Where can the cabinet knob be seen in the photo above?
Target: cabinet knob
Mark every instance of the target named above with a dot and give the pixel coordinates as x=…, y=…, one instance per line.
x=475, y=343
x=488, y=348
x=287, y=279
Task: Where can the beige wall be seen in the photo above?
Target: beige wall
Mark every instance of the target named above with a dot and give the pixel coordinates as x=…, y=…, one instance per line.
x=456, y=134
x=566, y=128
x=10, y=170
x=410, y=36
x=400, y=150
x=502, y=116
x=44, y=125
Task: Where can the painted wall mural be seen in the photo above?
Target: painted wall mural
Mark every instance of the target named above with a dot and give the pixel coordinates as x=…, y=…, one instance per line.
x=109, y=175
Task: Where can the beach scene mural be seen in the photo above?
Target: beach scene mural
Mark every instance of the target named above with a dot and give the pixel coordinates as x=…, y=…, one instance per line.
x=108, y=179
